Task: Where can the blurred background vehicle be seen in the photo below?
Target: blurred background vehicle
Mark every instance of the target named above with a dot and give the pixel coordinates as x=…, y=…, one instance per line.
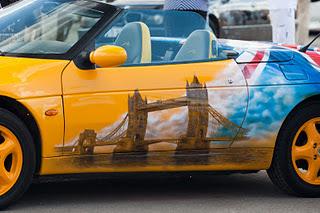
x=234, y=19
x=243, y=19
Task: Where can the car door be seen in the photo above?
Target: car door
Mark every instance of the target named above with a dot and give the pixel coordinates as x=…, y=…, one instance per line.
x=153, y=109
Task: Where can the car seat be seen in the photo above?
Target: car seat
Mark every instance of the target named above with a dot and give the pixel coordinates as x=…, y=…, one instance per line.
x=136, y=40
x=200, y=45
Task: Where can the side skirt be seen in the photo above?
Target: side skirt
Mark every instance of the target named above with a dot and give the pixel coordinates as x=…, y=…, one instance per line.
x=231, y=159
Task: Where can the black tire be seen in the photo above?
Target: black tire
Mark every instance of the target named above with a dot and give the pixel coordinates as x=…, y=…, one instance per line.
x=18, y=128
x=282, y=172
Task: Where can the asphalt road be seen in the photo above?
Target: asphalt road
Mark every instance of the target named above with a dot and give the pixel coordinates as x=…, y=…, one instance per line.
x=165, y=194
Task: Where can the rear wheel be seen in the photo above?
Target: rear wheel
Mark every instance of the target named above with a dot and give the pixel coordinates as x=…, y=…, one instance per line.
x=296, y=163
x=17, y=158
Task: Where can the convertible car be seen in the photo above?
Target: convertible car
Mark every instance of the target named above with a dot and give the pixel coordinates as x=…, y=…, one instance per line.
x=78, y=97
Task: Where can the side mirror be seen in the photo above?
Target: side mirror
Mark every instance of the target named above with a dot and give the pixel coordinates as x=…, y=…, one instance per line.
x=108, y=56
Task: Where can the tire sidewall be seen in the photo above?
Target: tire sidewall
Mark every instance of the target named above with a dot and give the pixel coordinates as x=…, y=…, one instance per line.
x=17, y=127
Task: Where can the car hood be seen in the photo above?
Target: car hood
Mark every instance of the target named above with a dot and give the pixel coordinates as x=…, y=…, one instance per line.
x=258, y=52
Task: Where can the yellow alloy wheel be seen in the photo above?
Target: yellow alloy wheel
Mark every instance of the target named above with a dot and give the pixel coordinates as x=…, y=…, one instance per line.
x=11, y=159
x=306, y=152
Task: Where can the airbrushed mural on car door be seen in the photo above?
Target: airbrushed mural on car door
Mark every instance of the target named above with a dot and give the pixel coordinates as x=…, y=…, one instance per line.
x=195, y=126
x=164, y=120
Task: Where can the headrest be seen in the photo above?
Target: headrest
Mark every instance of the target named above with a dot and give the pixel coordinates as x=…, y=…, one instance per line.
x=200, y=45
x=136, y=40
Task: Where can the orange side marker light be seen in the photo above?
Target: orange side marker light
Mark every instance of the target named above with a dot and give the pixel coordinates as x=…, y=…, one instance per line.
x=51, y=112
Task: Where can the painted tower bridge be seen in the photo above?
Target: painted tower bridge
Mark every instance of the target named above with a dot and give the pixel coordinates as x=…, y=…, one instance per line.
x=129, y=135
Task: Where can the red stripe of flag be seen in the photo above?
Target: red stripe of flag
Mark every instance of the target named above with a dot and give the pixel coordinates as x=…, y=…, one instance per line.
x=251, y=67
x=314, y=56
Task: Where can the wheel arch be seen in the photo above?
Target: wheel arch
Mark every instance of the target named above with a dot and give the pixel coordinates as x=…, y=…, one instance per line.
x=28, y=119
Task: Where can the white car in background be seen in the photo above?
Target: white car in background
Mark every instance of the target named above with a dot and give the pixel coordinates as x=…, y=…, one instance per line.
x=315, y=17
x=249, y=19
x=243, y=19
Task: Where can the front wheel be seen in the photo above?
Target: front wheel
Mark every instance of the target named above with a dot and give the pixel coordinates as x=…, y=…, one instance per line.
x=295, y=167
x=17, y=158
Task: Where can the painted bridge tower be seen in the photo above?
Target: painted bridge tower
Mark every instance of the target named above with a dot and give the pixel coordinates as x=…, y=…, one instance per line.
x=198, y=117
x=137, y=126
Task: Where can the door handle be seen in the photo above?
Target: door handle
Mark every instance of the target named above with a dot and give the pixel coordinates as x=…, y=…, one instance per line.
x=230, y=81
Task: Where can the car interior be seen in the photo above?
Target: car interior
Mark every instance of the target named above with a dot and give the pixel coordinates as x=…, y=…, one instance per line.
x=168, y=45
x=136, y=40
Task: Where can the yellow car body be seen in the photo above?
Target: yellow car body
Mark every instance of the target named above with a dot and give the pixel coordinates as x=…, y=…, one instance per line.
x=83, y=99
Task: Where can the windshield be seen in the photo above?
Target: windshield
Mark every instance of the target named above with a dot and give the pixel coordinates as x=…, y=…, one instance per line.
x=46, y=26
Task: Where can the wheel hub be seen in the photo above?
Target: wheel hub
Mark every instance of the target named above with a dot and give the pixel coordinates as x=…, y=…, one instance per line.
x=11, y=158
x=306, y=152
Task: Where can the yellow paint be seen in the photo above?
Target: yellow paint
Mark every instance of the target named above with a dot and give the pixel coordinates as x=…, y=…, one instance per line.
x=309, y=151
x=28, y=78
x=9, y=146
x=36, y=83
x=124, y=79
x=51, y=127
